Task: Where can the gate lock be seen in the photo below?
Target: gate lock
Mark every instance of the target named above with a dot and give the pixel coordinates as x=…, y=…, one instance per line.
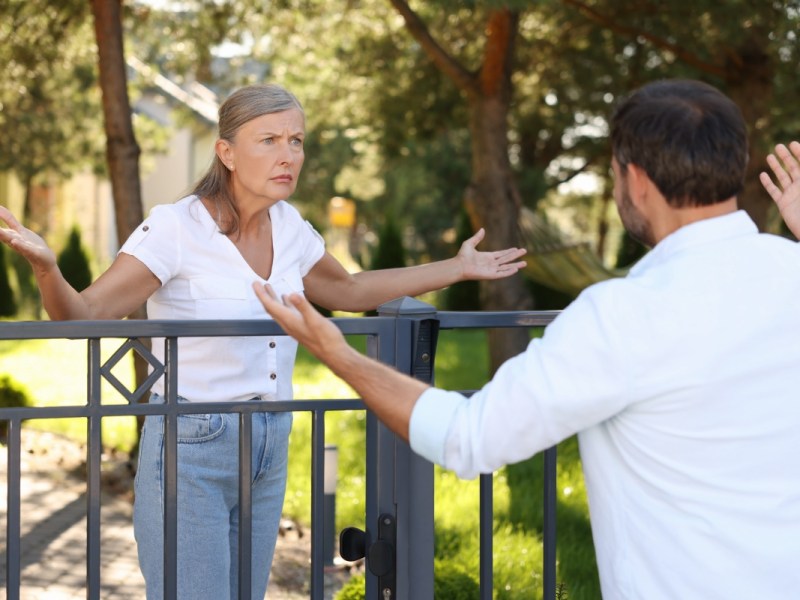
x=380, y=554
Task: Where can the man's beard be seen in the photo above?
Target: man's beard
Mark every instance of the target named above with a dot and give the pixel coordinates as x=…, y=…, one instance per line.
x=637, y=226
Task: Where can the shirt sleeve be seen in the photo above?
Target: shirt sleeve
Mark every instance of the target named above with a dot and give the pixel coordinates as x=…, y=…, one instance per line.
x=570, y=379
x=313, y=247
x=156, y=243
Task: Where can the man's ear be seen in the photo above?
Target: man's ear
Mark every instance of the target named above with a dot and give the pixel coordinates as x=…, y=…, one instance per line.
x=639, y=184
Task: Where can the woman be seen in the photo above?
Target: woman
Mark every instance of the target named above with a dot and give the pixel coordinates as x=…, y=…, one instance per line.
x=197, y=259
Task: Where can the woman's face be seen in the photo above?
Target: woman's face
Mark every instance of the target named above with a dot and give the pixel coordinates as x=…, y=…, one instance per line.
x=266, y=156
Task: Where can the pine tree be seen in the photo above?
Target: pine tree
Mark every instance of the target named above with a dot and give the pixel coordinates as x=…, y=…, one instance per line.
x=390, y=252
x=74, y=261
x=8, y=305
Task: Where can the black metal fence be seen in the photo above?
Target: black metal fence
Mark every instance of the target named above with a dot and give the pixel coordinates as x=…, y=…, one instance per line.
x=398, y=541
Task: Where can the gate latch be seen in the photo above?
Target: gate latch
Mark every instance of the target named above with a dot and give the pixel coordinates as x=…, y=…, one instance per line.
x=380, y=555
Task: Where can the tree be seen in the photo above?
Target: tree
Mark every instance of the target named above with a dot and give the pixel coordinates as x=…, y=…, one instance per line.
x=48, y=98
x=73, y=261
x=492, y=198
x=8, y=306
x=749, y=48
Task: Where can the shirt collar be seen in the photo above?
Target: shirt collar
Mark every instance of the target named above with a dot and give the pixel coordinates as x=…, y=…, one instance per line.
x=705, y=231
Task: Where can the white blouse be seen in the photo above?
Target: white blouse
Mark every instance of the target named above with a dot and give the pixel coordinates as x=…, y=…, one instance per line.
x=204, y=276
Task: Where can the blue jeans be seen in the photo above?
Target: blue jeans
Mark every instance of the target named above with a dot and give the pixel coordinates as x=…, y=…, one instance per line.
x=208, y=502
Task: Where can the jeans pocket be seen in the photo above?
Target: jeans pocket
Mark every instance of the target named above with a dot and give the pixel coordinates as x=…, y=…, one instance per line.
x=194, y=429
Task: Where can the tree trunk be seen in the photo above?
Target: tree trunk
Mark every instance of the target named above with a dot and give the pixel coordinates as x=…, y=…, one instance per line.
x=493, y=202
x=492, y=199
x=122, y=151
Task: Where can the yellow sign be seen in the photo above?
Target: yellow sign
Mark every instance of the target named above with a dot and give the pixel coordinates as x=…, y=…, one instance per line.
x=341, y=212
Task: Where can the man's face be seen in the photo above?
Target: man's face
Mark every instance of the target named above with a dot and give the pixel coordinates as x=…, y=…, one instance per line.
x=635, y=223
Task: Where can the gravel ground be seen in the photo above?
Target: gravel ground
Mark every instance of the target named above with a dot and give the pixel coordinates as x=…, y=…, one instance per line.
x=63, y=462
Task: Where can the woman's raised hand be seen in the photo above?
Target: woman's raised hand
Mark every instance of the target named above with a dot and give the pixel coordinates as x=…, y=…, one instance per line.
x=488, y=265
x=25, y=242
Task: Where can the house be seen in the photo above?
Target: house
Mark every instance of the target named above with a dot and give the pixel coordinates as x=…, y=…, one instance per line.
x=189, y=116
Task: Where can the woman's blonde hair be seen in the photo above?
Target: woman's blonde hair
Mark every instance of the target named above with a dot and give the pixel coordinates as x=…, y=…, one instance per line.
x=244, y=105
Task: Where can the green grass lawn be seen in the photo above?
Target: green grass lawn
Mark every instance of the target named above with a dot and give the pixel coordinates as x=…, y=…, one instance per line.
x=54, y=373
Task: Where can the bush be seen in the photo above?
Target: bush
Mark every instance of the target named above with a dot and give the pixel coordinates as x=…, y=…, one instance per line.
x=450, y=582
x=390, y=252
x=8, y=306
x=355, y=589
x=74, y=262
x=12, y=395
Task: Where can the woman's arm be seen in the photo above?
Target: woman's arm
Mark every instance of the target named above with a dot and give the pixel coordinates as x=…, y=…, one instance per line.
x=328, y=284
x=123, y=288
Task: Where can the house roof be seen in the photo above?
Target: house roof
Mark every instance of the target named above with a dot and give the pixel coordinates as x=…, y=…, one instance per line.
x=195, y=96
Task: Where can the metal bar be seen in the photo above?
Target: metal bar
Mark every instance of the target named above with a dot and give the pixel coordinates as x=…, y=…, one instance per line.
x=121, y=410
x=93, y=468
x=317, y=505
x=549, y=527
x=13, y=548
x=136, y=328
x=486, y=527
x=245, y=505
x=171, y=470
x=484, y=320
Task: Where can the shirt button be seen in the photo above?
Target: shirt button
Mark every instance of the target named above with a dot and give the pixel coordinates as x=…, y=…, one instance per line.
x=272, y=344
x=146, y=228
x=273, y=376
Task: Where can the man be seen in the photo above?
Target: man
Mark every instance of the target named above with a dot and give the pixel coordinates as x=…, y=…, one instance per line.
x=680, y=379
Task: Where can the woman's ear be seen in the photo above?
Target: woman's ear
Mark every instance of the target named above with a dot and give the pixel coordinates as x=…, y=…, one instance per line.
x=224, y=152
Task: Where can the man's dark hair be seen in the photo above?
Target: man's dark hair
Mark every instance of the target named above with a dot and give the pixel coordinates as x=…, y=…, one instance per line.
x=688, y=137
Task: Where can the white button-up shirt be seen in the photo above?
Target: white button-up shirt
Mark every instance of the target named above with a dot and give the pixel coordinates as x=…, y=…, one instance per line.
x=681, y=380
x=204, y=276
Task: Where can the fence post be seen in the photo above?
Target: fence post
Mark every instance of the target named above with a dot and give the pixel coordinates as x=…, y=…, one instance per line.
x=417, y=330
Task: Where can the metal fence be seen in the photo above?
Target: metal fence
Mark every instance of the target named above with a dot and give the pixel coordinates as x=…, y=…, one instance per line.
x=398, y=541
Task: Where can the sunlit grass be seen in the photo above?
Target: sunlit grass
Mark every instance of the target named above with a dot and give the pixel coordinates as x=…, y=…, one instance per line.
x=54, y=372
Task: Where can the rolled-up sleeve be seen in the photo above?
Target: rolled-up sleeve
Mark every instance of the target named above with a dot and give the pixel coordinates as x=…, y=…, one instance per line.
x=572, y=378
x=430, y=423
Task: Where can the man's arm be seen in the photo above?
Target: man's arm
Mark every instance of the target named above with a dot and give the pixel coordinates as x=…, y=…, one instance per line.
x=391, y=395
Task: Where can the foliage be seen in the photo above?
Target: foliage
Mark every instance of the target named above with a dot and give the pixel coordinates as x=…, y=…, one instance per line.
x=389, y=253
x=354, y=589
x=8, y=305
x=12, y=395
x=450, y=582
x=74, y=261
x=49, y=95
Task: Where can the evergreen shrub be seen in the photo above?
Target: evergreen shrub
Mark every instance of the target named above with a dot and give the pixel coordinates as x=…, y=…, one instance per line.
x=74, y=261
x=389, y=253
x=8, y=305
x=12, y=395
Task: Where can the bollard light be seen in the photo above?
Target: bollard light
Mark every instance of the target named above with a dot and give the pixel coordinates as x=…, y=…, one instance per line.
x=331, y=468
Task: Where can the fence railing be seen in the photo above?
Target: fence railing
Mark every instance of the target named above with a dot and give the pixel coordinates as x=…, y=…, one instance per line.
x=398, y=541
